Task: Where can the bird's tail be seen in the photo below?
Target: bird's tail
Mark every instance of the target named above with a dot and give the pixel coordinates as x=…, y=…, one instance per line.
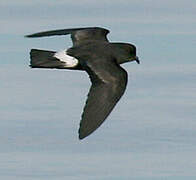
x=45, y=59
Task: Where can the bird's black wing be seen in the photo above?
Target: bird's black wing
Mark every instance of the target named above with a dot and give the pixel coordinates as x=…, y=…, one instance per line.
x=78, y=35
x=108, y=85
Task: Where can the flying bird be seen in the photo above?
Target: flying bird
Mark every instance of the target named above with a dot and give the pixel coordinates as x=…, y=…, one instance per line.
x=101, y=59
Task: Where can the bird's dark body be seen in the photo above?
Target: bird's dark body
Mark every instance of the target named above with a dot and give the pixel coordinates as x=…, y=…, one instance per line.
x=101, y=60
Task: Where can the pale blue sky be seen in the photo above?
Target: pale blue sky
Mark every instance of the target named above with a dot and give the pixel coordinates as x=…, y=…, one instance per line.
x=150, y=134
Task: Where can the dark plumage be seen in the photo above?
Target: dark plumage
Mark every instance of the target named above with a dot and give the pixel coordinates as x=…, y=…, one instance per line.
x=93, y=53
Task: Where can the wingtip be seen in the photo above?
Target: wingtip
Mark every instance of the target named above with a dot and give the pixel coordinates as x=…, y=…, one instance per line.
x=81, y=137
x=29, y=36
x=82, y=134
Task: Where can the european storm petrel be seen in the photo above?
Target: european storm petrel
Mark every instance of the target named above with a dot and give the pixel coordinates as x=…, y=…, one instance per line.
x=93, y=53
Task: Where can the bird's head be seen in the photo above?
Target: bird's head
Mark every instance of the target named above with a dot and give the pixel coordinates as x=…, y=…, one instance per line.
x=126, y=52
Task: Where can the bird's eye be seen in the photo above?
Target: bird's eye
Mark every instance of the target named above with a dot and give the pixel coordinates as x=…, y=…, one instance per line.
x=133, y=50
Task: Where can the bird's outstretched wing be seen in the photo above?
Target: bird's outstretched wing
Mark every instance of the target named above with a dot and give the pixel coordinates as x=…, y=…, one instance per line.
x=78, y=35
x=108, y=85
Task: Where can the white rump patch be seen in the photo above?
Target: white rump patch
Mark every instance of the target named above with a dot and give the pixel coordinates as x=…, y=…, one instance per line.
x=68, y=60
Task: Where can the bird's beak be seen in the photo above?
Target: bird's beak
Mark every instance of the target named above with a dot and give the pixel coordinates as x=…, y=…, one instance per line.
x=137, y=60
